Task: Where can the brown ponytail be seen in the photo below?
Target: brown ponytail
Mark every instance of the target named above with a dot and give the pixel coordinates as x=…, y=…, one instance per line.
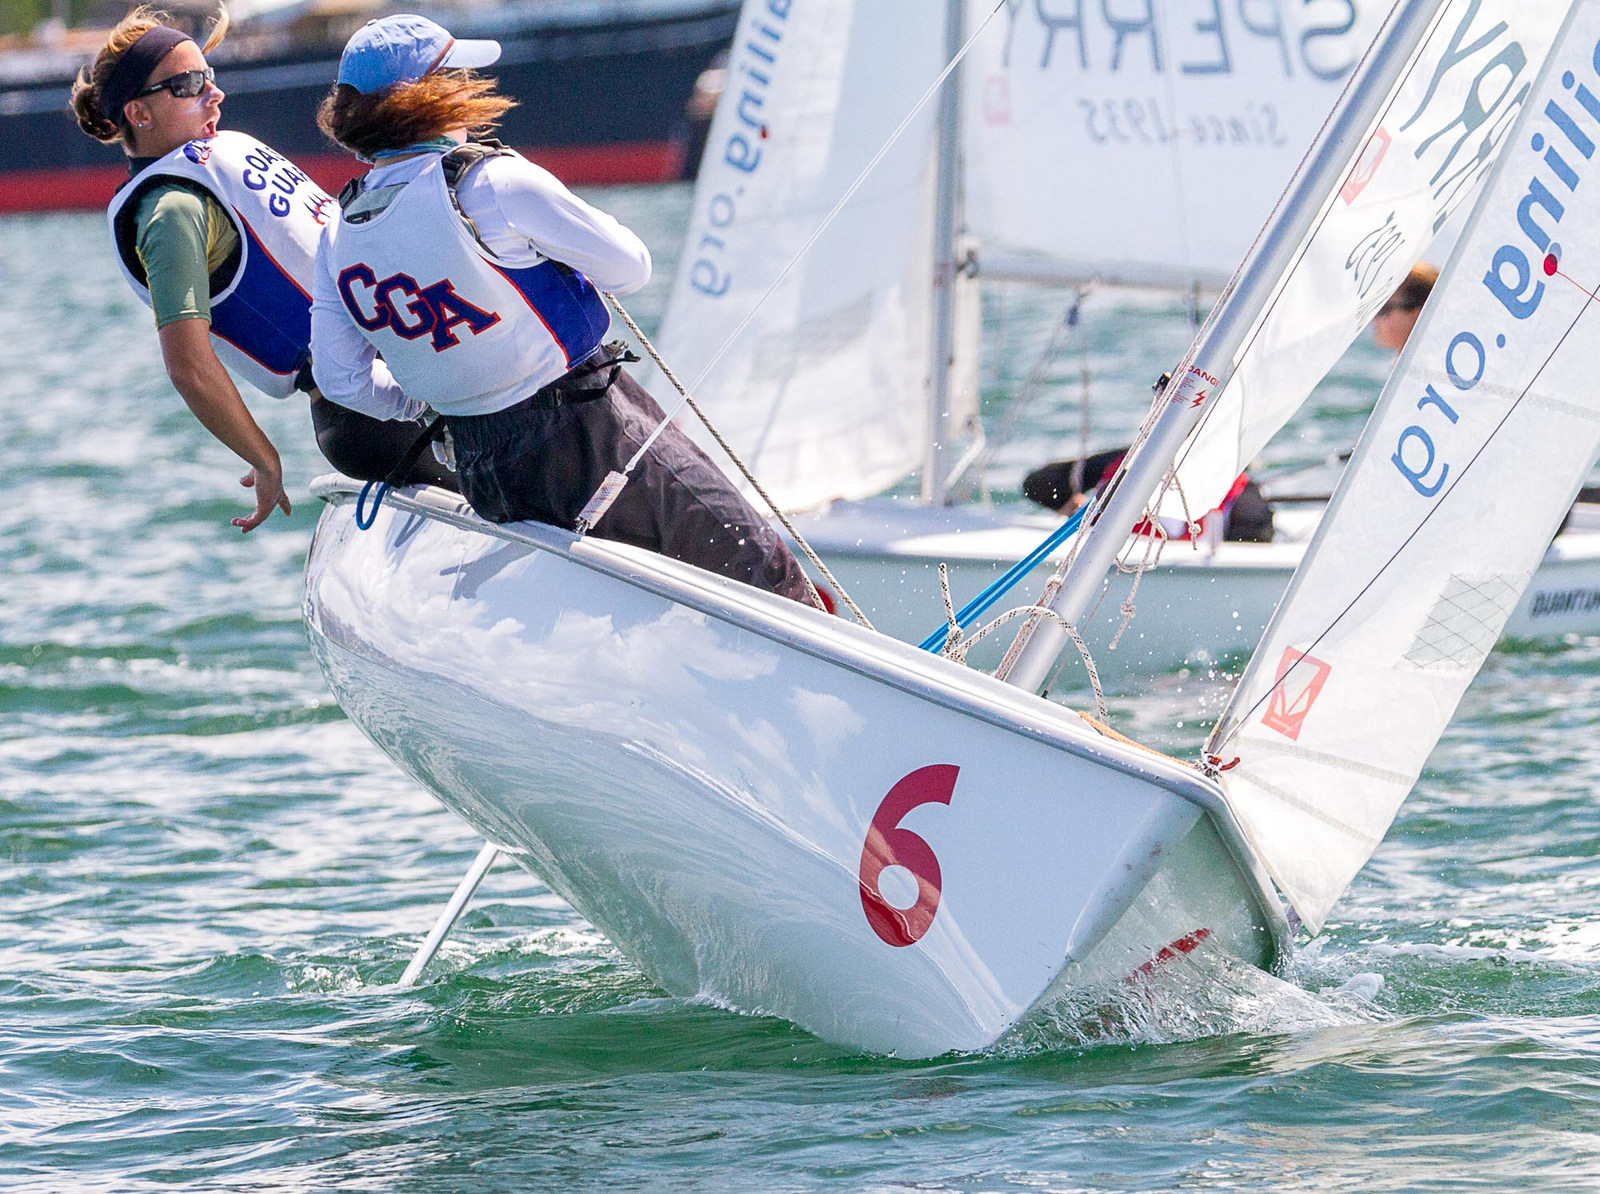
x=87, y=87
x=412, y=112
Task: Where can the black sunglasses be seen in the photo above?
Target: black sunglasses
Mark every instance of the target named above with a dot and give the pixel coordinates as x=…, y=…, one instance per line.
x=1391, y=308
x=183, y=85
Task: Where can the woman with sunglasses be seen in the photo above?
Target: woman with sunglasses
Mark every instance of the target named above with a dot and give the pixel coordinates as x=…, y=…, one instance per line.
x=475, y=275
x=217, y=233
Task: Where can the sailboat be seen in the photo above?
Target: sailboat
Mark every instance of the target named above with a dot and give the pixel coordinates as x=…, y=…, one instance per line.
x=1075, y=152
x=780, y=812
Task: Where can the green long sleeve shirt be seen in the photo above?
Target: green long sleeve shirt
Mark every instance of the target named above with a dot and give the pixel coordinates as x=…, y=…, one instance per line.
x=183, y=237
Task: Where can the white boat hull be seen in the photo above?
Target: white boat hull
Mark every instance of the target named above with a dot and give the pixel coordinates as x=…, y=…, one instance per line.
x=698, y=768
x=1200, y=605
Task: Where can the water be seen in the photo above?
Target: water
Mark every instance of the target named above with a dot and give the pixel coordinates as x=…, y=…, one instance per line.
x=207, y=876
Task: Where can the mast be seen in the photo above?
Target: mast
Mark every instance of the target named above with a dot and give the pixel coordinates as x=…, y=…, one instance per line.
x=946, y=227
x=1211, y=359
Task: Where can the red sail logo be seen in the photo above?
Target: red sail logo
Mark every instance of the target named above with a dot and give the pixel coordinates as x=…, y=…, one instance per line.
x=1299, y=682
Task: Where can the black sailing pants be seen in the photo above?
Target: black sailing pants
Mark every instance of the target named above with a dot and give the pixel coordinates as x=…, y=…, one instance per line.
x=369, y=449
x=534, y=461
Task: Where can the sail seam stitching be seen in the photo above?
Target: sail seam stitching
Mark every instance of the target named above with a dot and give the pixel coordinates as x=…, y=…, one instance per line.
x=1309, y=810
x=1329, y=760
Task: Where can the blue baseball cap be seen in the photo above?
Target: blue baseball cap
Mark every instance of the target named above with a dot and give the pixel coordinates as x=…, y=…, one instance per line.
x=403, y=48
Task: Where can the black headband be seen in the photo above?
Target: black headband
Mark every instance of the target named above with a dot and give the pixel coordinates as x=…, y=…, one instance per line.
x=127, y=77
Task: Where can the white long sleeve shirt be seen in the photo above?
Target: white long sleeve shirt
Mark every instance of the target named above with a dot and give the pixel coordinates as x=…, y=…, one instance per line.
x=523, y=214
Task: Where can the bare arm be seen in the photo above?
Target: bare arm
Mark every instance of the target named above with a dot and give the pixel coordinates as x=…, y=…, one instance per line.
x=204, y=383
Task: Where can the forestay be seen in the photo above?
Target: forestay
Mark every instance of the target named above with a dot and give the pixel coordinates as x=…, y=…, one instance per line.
x=1147, y=146
x=1464, y=473
x=824, y=394
x=1421, y=160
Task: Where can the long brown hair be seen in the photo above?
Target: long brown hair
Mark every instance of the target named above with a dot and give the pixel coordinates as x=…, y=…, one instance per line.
x=92, y=78
x=412, y=112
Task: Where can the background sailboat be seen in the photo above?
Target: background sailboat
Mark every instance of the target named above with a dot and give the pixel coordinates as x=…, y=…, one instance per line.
x=1125, y=151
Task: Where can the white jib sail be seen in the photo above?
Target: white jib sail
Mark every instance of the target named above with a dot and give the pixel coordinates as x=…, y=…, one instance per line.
x=1424, y=158
x=1471, y=459
x=1147, y=146
x=824, y=394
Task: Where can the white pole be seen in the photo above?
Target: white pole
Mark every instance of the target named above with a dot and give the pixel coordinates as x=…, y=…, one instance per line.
x=447, y=919
x=946, y=227
x=1211, y=361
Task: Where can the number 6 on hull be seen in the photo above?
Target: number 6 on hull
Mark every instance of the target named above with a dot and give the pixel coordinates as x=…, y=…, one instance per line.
x=889, y=845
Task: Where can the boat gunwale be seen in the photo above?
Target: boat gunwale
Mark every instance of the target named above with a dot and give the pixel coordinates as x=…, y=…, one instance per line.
x=866, y=652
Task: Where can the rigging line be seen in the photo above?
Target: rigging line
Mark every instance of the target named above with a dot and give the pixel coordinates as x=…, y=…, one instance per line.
x=827, y=220
x=1033, y=384
x=1003, y=584
x=1180, y=204
x=749, y=476
x=1217, y=746
x=961, y=648
x=1084, y=412
x=1105, y=489
x=1091, y=511
x=1088, y=667
x=1272, y=304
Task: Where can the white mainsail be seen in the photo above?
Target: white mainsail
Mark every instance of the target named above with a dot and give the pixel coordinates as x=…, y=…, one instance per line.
x=824, y=394
x=1421, y=160
x=1146, y=147
x=1469, y=463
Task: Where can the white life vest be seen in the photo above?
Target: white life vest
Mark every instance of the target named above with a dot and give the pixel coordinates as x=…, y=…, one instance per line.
x=261, y=309
x=459, y=329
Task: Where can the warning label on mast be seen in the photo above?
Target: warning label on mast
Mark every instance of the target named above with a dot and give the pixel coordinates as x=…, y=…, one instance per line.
x=1197, y=385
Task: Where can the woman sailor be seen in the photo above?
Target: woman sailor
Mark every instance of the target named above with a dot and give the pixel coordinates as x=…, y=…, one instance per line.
x=217, y=234
x=475, y=275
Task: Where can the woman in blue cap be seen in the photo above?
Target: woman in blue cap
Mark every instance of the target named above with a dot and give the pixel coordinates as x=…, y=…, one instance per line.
x=217, y=233
x=475, y=275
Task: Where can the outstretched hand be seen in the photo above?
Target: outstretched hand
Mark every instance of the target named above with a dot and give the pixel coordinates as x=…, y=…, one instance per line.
x=269, y=493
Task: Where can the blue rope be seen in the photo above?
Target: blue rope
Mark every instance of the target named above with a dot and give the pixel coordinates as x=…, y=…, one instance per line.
x=973, y=609
x=365, y=522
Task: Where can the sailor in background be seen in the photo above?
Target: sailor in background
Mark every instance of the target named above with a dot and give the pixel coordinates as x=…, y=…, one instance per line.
x=1392, y=325
x=217, y=233
x=476, y=275
x=1065, y=485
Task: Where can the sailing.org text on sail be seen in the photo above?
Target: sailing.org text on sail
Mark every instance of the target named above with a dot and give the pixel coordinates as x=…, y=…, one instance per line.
x=1562, y=147
x=750, y=75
